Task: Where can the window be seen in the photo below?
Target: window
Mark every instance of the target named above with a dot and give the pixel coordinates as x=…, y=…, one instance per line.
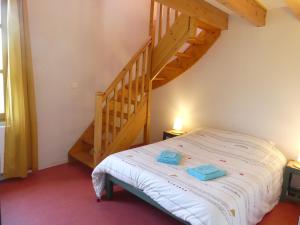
x=3, y=55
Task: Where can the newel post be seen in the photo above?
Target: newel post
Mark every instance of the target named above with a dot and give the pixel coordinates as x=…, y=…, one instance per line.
x=98, y=127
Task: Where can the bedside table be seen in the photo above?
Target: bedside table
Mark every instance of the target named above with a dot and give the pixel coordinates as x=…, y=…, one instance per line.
x=288, y=192
x=170, y=134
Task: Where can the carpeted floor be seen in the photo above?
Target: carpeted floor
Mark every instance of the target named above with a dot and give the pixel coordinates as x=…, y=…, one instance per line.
x=63, y=195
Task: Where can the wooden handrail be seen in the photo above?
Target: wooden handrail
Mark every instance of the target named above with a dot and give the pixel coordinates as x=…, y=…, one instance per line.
x=131, y=88
x=121, y=100
x=127, y=67
x=162, y=17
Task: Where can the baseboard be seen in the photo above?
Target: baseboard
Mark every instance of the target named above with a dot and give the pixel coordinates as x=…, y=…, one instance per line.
x=57, y=163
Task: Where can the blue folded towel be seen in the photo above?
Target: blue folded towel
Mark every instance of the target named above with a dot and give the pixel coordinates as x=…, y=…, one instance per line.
x=206, y=172
x=169, y=157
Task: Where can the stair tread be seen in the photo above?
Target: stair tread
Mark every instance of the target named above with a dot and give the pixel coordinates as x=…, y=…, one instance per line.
x=183, y=55
x=110, y=127
x=84, y=157
x=169, y=67
x=160, y=78
x=126, y=100
x=111, y=113
x=88, y=137
x=90, y=142
x=196, y=41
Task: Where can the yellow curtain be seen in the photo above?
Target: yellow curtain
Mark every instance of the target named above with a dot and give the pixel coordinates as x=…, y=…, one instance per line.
x=20, y=154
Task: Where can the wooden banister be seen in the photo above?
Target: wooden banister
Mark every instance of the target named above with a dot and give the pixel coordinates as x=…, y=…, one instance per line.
x=181, y=30
x=98, y=127
x=121, y=100
x=126, y=68
x=162, y=17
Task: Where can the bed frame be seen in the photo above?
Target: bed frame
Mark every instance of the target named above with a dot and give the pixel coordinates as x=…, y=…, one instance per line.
x=110, y=181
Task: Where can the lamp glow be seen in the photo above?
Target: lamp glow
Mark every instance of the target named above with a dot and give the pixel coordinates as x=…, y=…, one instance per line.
x=178, y=125
x=297, y=163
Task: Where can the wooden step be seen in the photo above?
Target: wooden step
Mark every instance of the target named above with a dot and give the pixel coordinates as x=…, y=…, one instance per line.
x=183, y=55
x=90, y=141
x=118, y=114
x=110, y=127
x=172, y=68
x=88, y=137
x=196, y=41
x=207, y=28
x=198, y=47
x=85, y=158
x=82, y=154
x=160, y=78
x=126, y=100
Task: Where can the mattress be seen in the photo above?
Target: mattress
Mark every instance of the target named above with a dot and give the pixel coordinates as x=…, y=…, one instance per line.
x=250, y=189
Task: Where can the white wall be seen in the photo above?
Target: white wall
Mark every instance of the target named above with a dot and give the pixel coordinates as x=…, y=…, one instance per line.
x=125, y=29
x=84, y=43
x=78, y=48
x=249, y=82
x=65, y=53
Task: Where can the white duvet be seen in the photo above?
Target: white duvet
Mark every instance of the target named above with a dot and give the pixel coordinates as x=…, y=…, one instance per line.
x=251, y=188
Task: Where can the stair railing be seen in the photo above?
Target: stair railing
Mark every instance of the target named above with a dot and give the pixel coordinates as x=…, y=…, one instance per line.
x=122, y=99
x=171, y=29
x=162, y=18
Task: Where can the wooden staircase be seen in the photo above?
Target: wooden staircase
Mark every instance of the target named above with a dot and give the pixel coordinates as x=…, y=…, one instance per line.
x=184, y=42
x=121, y=112
x=176, y=42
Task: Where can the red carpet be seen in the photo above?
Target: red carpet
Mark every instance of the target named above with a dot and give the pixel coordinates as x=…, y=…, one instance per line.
x=63, y=195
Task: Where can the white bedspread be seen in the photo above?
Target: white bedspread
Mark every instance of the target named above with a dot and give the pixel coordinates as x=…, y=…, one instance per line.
x=251, y=188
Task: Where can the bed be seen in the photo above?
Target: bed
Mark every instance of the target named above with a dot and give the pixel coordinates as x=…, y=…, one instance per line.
x=250, y=189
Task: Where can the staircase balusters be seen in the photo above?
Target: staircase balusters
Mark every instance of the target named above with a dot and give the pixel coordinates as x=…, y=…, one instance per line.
x=115, y=111
x=160, y=21
x=125, y=106
x=176, y=14
x=121, y=101
x=106, y=123
x=137, y=80
x=152, y=16
x=162, y=17
x=168, y=18
x=143, y=74
x=129, y=94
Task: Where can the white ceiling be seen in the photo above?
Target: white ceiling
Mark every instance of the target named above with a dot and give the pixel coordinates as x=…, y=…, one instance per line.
x=269, y=4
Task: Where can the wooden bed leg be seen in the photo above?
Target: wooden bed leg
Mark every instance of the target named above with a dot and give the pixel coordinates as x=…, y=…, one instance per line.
x=109, y=186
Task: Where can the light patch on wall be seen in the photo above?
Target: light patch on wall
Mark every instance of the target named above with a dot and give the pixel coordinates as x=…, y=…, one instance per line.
x=183, y=113
x=245, y=85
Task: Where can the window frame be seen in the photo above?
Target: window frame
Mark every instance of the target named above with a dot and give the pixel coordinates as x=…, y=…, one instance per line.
x=3, y=27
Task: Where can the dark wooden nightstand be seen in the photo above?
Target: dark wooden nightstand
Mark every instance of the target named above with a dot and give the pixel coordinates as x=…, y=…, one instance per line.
x=288, y=192
x=171, y=133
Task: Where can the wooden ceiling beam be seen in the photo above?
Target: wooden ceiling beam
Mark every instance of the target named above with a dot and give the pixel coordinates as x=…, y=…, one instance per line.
x=201, y=10
x=294, y=5
x=252, y=10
